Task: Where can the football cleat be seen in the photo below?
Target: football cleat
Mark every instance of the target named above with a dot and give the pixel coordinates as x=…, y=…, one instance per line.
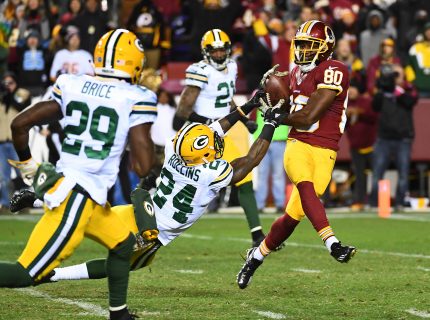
x=124, y=315
x=22, y=199
x=245, y=274
x=342, y=253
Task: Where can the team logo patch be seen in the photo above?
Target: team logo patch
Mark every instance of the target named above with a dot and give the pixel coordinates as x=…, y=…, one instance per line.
x=201, y=142
x=41, y=179
x=149, y=208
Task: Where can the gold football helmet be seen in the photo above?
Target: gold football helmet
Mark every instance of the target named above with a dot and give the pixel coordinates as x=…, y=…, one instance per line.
x=198, y=144
x=119, y=54
x=212, y=41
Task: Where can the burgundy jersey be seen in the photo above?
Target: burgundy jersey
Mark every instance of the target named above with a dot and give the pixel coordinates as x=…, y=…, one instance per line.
x=330, y=74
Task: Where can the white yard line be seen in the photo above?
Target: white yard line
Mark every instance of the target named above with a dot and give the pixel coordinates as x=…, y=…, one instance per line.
x=270, y=314
x=306, y=270
x=92, y=309
x=189, y=271
x=314, y=246
x=8, y=243
x=418, y=313
x=424, y=269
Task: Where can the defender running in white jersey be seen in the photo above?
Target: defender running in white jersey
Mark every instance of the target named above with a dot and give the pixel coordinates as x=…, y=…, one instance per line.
x=208, y=96
x=191, y=176
x=100, y=114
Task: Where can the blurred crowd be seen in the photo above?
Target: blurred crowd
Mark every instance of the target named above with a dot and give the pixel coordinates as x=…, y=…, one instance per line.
x=385, y=44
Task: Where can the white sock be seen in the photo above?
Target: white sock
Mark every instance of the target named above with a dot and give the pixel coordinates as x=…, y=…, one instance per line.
x=330, y=241
x=257, y=255
x=38, y=203
x=76, y=272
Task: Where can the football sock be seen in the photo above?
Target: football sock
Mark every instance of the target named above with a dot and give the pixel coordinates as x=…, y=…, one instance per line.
x=312, y=205
x=76, y=272
x=249, y=204
x=257, y=233
x=330, y=241
x=280, y=231
x=117, y=270
x=262, y=251
x=13, y=275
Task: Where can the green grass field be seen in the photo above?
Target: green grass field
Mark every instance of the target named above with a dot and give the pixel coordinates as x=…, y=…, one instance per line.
x=194, y=277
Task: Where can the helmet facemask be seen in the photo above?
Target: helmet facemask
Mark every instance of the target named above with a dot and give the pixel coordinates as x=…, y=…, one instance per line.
x=218, y=63
x=306, y=52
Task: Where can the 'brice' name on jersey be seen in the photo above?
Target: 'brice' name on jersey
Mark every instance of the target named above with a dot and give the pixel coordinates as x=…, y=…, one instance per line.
x=97, y=89
x=190, y=172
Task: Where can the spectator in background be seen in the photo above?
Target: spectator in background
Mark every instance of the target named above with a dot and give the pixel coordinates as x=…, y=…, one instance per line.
x=357, y=72
x=211, y=14
x=148, y=24
x=71, y=60
x=257, y=51
x=386, y=55
x=361, y=132
x=7, y=10
x=394, y=101
x=271, y=169
x=35, y=18
x=418, y=68
x=74, y=8
x=162, y=129
x=414, y=34
x=92, y=24
x=373, y=35
x=32, y=67
x=4, y=48
x=13, y=100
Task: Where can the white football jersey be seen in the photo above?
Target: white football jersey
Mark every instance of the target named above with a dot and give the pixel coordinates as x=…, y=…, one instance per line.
x=217, y=88
x=98, y=113
x=185, y=192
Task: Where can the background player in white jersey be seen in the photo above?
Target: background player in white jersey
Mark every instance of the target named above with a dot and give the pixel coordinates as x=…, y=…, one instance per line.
x=208, y=96
x=192, y=174
x=100, y=114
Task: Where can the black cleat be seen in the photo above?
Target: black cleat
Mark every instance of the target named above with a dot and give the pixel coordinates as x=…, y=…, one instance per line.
x=251, y=264
x=123, y=315
x=342, y=253
x=22, y=199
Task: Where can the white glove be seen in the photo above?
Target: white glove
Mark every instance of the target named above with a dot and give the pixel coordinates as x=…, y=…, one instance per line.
x=270, y=72
x=266, y=104
x=27, y=169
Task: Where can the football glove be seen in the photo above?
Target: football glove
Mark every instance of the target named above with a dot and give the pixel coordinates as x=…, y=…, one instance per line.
x=269, y=73
x=27, y=169
x=274, y=115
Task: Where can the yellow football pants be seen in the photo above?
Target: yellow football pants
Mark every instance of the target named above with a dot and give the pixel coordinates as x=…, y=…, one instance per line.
x=62, y=229
x=304, y=162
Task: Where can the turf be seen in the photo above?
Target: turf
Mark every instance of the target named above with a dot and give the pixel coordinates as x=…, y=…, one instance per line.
x=194, y=277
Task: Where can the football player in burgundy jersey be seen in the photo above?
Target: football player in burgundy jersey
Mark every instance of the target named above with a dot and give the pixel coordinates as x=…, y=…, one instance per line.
x=318, y=102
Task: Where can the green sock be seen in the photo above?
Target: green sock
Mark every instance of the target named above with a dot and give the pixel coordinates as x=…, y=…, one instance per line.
x=248, y=203
x=117, y=269
x=96, y=268
x=13, y=275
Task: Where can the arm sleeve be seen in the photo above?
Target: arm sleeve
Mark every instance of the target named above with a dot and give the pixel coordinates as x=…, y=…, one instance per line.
x=144, y=109
x=196, y=76
x=334, y=76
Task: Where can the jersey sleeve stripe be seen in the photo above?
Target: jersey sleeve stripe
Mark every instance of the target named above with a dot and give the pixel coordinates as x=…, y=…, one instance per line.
x=330, y=86
x=56, y=90
x=144, y=108
x=222, y=177
x=56, y=95
x=195, y=76
x=145, y=112
x=145, y=103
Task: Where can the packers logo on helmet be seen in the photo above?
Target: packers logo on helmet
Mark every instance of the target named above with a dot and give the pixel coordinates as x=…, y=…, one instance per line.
x=198, y=144
x=216, y=40
x=313, y=43
x=119, y=54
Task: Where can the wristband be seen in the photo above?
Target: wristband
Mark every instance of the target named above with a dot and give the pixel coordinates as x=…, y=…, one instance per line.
x=24, y=155
x=247, y=108
x=233, y=117
x=267, y=132
x=177, y=123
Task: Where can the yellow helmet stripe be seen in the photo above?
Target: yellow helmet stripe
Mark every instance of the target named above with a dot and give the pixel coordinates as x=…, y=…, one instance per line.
x=306, y=26
x=180, y=139
x=109, y=57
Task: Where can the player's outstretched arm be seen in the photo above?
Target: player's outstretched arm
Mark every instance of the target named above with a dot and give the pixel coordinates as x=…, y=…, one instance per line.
x=242, y=166
x=185, y=108
x=319, y=101
x=141, y=149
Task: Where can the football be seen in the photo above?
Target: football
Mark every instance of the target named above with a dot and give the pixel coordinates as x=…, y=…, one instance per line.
x=277, y=89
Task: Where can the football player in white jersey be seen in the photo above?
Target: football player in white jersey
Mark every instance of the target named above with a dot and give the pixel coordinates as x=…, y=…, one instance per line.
x=100, y=115
x=208, y=96
x=193, y=173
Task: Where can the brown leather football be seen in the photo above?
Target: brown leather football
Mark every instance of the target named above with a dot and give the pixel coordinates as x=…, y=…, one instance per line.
x=277, y=89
